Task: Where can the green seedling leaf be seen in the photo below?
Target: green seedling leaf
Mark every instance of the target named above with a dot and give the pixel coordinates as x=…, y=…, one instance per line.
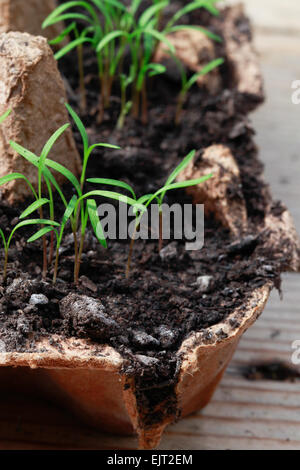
x=109, y=146
x=49, y=144
x=69, y=210
x=211, y=8
x=4, y=116
x=181, y=185
x=69, y=47
x=37, y=222
x=30, y=156
x=30, y=222
x=205, y=31
x=105, y=12
x=156, y=69
x=110, y=37
x=147, y=200
x=63, y=34
x=178, y=170
x=47, y=148
x=150, y=12
x=116, y=4
x=3, y=238
x=191, y=7
x=41, y=233
x=65, y=172
x=33, y=207
x=204, y=71
x=80, y=127
x=95, y=221
x=67, y=215
x=110, y=195
x=14, y=176
x=160, y=37
x=180, y=167
x=135, y=4
x=34, y=159
x=70, y=16
x=144, y=199
x=66, y=6
x=111, y=182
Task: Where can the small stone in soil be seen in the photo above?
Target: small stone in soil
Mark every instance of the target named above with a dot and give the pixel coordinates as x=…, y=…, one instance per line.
x=30, y=309
x=2, y=347
x=204, y=283
x=38, y=299
x=143, y=340
x=88, y=284
x=166, y=336
x=169, y=252
x=245, y=246
x=268, y=268
x=146, y=360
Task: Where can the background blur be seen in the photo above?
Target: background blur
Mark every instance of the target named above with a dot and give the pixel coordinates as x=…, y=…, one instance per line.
x=277, y=38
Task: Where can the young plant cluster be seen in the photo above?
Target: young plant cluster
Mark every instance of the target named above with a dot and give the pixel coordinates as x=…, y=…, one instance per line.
x=125, y=40
x=82, y=208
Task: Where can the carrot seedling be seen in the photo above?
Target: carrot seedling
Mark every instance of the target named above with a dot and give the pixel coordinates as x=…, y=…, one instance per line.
x=188, y=83
x=159, y=196
x=113, y=31
x=24, y=223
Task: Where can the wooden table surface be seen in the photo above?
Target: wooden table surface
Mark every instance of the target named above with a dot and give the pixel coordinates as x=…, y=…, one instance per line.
x=260, y=414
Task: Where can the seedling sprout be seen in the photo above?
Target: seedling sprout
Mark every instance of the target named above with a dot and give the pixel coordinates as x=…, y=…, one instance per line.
x=113, y=31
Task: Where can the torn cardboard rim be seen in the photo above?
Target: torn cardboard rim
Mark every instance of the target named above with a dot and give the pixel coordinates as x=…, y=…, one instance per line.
x=77, y=353
x=86, y=383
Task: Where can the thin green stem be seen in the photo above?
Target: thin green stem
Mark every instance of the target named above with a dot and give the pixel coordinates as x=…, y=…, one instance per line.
x=120, y=123
x=179, y=107
x=51, y=205
x=81, y=79
x=76, y=256
x=45, y=260
x=56, y=266
x=79, y=257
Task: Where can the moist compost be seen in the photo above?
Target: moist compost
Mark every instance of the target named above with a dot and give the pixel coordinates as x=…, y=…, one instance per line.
x=147, y=316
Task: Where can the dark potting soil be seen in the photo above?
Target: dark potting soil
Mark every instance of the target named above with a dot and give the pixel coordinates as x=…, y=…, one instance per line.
x=146, y=317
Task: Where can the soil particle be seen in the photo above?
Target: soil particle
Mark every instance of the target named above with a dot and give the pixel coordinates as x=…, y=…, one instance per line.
x=38, y=299
x=167, y=337
x=204, y=283
x=169, y=252
x=142, y=340
x=277, y=371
